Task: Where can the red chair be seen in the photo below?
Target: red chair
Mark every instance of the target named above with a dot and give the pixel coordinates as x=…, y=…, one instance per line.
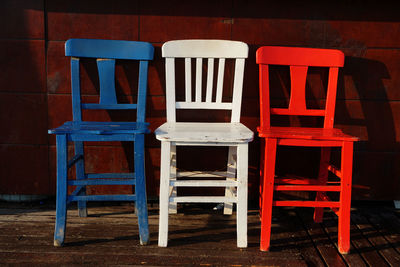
x=299, y=59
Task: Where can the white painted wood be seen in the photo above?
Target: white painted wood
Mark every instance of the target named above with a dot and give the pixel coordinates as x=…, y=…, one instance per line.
x=396, y=204
x=204, y=132
x=220, y=80
x=210, y=78
x=203, y=105
x=170, y=88
x=207, y=199
x=164, y=193
x=230, y=176
x=241, y=213
x=172, y=207
x=237, y=90
x=196, y=174
x=234, y=134
x=204, y=183
x=188, y=79
x=199, y=65
x=205, y=49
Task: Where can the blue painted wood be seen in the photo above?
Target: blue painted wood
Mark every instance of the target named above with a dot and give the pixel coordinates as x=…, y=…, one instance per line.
x=61, y=209
x=80, y=175
x=111, y=106
x=103, y=198
x=109, y=175
x=116, y=49
x=102, y=182
x=78, y=131
x=106, y=69
x=140, y=190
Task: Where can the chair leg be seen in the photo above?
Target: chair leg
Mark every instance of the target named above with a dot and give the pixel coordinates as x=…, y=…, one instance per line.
x=80, y=174
x=323, y=178
x=61, y=206
x=172, y=206
x=268, y=188
x=164, y=193
x=262, y=150
x=140, y=190
x=231, y=175
x=345, y=198
x=241, y=213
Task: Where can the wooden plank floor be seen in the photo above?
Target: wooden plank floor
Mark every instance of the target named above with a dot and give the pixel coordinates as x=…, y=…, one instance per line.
x=198, y=236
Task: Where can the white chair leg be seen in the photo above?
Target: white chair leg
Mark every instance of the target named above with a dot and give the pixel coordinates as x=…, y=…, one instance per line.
x=164, y=193
x=172, y=206
x=230, y=175
x=241, y=213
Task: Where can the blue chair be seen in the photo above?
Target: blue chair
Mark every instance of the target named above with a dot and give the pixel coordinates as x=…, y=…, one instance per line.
x=106, y=52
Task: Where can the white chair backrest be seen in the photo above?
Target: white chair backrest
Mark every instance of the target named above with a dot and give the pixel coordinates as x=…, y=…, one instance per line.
x=210, y=50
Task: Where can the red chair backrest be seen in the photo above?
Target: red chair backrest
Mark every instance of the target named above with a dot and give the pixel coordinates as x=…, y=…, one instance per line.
x=299, y=59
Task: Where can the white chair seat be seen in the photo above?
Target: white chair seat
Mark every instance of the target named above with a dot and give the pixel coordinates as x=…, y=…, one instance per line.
x=204, y=132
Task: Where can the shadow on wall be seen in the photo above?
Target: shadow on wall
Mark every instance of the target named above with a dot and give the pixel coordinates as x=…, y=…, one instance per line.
x=365, y=110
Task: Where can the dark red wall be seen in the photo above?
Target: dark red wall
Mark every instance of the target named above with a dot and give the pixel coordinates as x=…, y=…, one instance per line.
x=35, y=94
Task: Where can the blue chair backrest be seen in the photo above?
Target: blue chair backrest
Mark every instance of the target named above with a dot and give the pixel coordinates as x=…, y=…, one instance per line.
x=106, y=52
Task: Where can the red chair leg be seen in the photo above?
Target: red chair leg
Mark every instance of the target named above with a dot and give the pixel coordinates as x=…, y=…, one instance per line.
x=323, y=178
x=345, y=198
x=262, y=149
x=267, y=196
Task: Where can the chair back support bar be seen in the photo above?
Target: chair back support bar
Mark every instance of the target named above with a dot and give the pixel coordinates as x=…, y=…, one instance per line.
x=299, y=59
x=198, y=51
x=106, y=52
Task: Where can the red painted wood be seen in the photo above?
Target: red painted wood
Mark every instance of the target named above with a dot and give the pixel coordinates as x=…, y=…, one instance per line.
x=299, y=59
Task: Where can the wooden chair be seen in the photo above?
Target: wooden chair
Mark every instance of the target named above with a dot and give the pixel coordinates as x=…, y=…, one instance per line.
x=106, y=52
x=299, y=60
x=232, y=134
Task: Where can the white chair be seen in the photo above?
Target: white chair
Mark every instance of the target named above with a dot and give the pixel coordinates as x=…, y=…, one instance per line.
x=232, y=134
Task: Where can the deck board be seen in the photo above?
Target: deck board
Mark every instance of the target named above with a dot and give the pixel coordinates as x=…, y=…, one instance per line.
x=198, y=236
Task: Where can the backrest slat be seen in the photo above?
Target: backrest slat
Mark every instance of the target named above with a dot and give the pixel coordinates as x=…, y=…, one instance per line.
x=199, y=50
x=106, y=68
x=220, y=80
x=199, y=65
x=170, y=88
x=188, y=79
x=298, y=75
x=237, y=93
x=76, y=90
x=142, y=91
x=210, y=76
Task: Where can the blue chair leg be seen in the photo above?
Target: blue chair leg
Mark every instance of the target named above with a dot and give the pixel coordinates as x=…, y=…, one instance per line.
x=61, y=208
x=80, y=174
x=140, y=190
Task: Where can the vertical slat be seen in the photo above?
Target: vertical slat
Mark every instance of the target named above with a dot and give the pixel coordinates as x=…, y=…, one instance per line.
x=230, y=176
x=298, y=75
x=142, y=91
x=199, y=65
x=140, y=190
x=61, y=208
x=210, y=76
x=76, y=90
x=264, y=97
x=172, y=206
x=345, y=198
x=220, y=80
x=241, y=215
x=106, y=68
x=170, y=85
x=188, y=79
x=331, y=97
x=165, y=169
x=80, y=174
x=237, y=90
